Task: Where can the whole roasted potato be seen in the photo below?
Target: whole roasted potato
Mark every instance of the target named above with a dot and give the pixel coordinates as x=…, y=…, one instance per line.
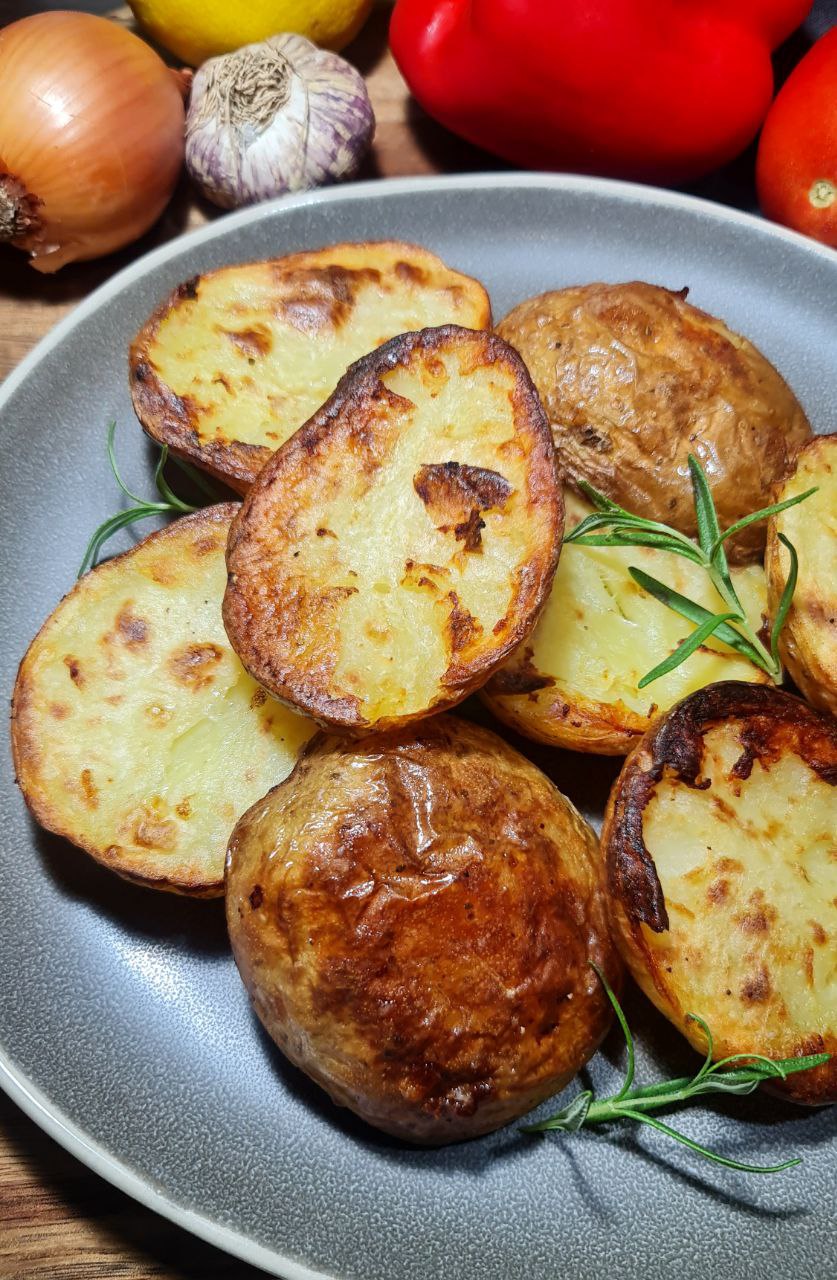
x=634, y=379
x=722, y=879
x=808, y=640
x=414, y=915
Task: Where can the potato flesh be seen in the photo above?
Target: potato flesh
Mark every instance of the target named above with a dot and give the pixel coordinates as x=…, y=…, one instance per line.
x=750, y=883
x=623, y=631
x=149, y=737
x=467, y=421
x=212, y=350
x=810, y=633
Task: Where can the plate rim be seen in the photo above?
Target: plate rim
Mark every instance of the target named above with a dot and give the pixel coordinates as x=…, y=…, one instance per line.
x=14, y=1082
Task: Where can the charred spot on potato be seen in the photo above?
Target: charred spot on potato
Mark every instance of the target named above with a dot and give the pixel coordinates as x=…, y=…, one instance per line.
x=256, y=897
x=756, y=989
x=718, y=891
x=254, y=342
x=130, y=629
x=194, y=664
x=462, y=627
x=74, y=667
x=520, y=676
x=89, y=789
x=259, y=698
x=455, y=494
x=188, y=290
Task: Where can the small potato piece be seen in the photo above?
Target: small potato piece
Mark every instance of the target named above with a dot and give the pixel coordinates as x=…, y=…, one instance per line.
x=573, y=683
x=634, y=379
x=808, y=640
x=397, y=548
x=136, y=732
x=415, y=915
x=235, y=360
x=719, y=845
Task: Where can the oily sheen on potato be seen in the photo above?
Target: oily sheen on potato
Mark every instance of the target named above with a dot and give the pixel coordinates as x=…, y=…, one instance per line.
x=400, y=545
x=573, y=682
x=236, y=359
x=719, y=844
x=634, y=379
x=414, y=915
x=137, y=733
x=808, y=640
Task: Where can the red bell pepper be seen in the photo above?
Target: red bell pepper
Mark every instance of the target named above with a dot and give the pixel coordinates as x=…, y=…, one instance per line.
x=662, y=90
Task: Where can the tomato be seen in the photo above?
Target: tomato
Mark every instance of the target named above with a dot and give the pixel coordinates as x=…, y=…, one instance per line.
x=796, y=166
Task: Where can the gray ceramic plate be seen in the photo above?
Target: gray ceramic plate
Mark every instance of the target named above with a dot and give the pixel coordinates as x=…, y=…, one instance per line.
x=124, y=1030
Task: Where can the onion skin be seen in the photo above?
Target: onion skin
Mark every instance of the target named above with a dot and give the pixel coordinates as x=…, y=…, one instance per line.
x=91, y=137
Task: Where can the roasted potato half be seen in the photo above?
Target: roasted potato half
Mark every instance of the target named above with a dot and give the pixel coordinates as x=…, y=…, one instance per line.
x=808, y=640
x=573, y=683
x=634, y=379
x=401, y=544
x=235, y=360
x=722, y=877
x=136, y=732
x=414, y=915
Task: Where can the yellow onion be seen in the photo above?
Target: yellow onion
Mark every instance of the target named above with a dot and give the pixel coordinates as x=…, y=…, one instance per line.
x=91, y=136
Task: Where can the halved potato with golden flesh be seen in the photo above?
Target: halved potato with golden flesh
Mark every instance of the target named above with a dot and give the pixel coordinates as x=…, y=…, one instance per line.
x=808, y=640
x=136, y=732
x=398, y=547
x=722, y=875
x=235, y=360
x=634, y=379
x=573, y=683
x=414, y=915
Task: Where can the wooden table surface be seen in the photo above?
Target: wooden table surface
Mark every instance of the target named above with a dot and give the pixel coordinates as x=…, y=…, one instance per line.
x=58, y=1221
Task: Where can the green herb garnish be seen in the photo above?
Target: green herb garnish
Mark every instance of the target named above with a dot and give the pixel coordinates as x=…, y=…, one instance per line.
x=612, y=526
x=142, y=509
x=718, y=1077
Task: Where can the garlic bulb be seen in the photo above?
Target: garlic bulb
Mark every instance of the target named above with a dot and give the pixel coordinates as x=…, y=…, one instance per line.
x=274, y=117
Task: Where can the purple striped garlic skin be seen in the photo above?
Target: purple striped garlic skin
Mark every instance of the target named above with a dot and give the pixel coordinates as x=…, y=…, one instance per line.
x=274, y=117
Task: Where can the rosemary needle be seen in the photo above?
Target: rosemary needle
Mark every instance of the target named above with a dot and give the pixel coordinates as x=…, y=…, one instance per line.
x=142, y=509
x=612, y=526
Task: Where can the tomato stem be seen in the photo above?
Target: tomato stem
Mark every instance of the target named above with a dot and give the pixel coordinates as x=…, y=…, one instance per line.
x=822, y=194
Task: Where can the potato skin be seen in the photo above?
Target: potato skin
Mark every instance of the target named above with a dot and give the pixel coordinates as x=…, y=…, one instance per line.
x=458, y=519
x=744, y=935
x=634, y=379
x=214, y=371
x=808, y=640
x=414, y=915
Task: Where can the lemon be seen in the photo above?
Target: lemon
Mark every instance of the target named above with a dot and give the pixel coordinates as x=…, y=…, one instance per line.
x=195, y=30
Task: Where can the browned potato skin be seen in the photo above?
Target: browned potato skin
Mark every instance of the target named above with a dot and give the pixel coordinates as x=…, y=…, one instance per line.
x=808, y=639
x=414, y=916
x=775, y=723
x=634, y=379
x=308, y=278
x=266, y=637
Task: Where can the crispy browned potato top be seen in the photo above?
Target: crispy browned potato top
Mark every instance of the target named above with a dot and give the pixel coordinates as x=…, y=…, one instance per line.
x=402, y=542
x=415, y=915
x=719, y=844
x=634, y=379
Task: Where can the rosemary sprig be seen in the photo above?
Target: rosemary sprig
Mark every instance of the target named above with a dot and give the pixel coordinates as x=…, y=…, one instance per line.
x=142, y=509
x=750, y=1070
x=612, y=526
